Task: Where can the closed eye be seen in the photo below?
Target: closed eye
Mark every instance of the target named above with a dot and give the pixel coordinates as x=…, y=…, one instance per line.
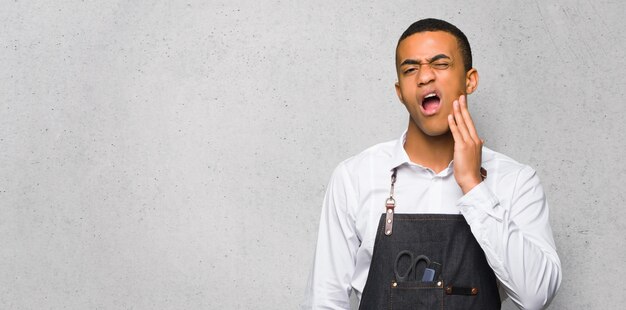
x=440, y=65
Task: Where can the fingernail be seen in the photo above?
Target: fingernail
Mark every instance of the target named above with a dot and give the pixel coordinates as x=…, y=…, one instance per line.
x=456, y=104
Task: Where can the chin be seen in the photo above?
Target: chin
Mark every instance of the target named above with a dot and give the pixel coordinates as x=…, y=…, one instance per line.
x=436, y=133
x=433, y=130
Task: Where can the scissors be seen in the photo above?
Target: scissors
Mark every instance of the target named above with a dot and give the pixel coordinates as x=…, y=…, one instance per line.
x=410, y=273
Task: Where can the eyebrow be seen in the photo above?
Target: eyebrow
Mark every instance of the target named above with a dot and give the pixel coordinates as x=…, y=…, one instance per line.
x=416, y=62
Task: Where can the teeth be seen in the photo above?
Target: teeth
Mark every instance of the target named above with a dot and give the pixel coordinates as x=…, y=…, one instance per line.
x=430, y=95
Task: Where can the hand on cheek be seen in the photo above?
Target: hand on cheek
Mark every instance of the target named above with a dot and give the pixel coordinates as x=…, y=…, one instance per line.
x=467, y=146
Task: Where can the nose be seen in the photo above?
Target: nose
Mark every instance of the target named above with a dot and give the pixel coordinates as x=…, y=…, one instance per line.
x=426, y=75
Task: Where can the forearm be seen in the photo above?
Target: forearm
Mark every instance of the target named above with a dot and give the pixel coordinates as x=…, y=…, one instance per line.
x=522, y=254
x=329, y=283
x=530, y=274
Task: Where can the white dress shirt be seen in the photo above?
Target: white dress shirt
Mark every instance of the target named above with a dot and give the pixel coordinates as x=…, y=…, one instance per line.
x=507, y=213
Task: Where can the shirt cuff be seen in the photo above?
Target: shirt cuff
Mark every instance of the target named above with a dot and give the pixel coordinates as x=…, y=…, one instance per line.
x=479, y=203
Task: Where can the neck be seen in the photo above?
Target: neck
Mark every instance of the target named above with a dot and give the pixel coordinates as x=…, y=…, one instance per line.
x=434, y=152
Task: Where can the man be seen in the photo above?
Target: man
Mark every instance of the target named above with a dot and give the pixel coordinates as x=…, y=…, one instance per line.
x=434, y=219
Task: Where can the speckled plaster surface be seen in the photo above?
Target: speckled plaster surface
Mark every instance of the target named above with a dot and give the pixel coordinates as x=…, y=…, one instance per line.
x=174, y=155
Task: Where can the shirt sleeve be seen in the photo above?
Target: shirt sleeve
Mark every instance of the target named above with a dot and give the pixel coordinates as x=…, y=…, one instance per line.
x=337, y=243
x=517, y=239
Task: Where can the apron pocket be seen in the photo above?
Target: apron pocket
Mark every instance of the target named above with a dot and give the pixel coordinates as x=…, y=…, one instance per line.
x=416, y=295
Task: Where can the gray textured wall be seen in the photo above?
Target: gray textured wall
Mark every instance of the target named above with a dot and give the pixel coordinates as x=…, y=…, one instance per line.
x=170, y=155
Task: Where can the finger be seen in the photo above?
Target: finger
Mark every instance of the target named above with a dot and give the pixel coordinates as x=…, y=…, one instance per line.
x=454, y=129
x=460, y=122
x=468, y=119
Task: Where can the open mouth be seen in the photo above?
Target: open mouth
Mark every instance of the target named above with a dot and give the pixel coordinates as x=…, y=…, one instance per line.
x=431, y=103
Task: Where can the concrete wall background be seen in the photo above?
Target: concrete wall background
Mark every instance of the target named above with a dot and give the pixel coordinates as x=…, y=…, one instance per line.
x=171, y=155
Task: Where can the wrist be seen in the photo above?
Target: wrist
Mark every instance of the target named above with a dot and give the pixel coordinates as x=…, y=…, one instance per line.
x=466, y=187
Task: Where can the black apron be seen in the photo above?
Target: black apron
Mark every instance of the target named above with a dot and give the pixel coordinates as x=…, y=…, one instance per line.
x=427, y=261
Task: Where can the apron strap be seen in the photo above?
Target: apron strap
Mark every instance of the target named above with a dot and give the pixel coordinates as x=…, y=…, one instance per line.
x=390, y=204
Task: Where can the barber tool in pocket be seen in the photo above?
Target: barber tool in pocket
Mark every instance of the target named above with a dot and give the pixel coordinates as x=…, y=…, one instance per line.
x=408, y=268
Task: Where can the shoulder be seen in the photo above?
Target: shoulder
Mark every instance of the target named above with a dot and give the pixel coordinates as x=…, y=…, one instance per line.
x=365, y=165
x=377, y=155
x=503, y=164
x=505, y=173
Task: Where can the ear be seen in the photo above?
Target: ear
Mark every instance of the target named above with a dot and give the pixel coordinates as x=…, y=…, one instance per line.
x=399, y=92
x=471, y=81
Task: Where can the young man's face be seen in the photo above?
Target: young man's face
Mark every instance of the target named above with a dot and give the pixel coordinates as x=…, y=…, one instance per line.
x=428, y=91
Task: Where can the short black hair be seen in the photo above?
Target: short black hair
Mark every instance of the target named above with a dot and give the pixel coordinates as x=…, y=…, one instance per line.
x=433, y=24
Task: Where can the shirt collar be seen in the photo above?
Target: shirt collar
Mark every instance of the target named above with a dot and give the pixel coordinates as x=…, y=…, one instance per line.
x=399, y=155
